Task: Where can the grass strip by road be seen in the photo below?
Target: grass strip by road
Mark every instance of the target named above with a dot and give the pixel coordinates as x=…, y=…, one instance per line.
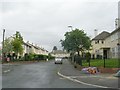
x=109, y=63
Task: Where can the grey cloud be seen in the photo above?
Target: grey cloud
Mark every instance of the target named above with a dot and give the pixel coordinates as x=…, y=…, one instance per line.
x=45, y=22
x=12, y=6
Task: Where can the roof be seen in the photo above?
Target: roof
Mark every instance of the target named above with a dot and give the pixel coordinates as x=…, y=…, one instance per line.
x=31, y=45
x=102, y=36
x=116, y=30
x=58, y=52
x=28, y=44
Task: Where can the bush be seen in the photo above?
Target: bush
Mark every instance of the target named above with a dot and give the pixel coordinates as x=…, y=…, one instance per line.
x=30, y=56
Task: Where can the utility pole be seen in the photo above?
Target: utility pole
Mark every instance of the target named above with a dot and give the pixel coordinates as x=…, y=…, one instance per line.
x=3, y=46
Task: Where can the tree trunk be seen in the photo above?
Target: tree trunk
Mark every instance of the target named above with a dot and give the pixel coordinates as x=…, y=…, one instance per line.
x=79, y=58
x=78, y=53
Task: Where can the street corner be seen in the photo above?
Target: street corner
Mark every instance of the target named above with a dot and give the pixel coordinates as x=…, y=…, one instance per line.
x=78, y=80
x=99, y=80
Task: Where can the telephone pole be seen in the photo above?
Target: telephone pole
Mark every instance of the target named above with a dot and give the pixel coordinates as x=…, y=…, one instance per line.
x=3, y=46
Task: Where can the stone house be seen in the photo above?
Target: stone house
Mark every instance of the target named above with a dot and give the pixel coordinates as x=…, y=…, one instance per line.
x=97, y=43
x=106, y=45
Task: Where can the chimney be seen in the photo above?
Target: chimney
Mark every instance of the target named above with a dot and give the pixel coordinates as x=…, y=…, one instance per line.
x=95, y=32
x=116, y=23
x=27, y=41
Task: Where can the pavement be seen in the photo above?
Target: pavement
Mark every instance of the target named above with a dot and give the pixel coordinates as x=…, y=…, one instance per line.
x=100, y=80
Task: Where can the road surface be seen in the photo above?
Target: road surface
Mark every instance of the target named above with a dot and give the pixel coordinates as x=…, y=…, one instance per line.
x=37, y=75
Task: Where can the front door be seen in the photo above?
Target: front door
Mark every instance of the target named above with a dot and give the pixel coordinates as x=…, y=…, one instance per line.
x=105, y=54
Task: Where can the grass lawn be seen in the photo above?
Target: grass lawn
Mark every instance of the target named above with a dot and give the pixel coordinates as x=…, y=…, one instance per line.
x=109, y=63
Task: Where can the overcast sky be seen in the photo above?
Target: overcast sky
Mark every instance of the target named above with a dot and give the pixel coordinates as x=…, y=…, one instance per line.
x=44, y=22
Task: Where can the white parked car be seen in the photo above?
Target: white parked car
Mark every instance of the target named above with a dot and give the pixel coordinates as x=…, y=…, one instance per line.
x=58, y=60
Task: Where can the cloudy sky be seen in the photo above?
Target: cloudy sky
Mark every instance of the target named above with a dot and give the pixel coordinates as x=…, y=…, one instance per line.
x=44, y=22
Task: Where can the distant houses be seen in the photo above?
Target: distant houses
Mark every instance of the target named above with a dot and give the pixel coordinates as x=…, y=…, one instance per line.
x=59, y=53
x=30, y=48
x=106, y=45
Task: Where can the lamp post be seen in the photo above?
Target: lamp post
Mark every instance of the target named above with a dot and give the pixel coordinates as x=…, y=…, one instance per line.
x=70, y=27
x=72, y=52
x=3, y=45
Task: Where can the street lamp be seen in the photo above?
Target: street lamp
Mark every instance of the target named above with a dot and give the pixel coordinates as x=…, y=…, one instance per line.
x=72, y=52
x=3, y=45
x=70, y=27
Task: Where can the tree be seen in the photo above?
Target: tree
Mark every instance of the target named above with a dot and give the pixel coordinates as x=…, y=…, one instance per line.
x=17, y=43
x=75, y=41
x=8, y=48
x=54, y=48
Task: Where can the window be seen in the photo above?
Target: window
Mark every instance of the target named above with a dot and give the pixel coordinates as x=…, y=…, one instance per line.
x=98, y=41
x=95, y=42
x=102, y=41
x=113, y=52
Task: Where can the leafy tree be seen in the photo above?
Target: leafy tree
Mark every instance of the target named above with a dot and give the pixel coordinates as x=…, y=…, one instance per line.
x=17, y=43
x=54, y=48
x=8, y=48
x=75, y=41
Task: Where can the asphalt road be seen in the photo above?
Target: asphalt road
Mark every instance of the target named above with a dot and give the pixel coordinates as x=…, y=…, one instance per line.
x=37, y=75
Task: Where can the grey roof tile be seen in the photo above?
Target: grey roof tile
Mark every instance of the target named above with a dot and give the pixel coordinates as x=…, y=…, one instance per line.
x=102, y=36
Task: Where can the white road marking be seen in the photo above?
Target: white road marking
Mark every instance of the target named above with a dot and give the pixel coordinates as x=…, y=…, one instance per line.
x=110, y=77
x=6, y=71
x=75, y=80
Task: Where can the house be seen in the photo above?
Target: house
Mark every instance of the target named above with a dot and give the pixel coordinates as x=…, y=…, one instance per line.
x=27, y=48
x=97, y=43
x=113, y=42
x=59, y=53
x=106, y=45
x=30, y=48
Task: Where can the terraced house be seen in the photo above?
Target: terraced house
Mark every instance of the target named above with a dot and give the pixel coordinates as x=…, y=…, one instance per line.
x=30, y=48
x=106, y=45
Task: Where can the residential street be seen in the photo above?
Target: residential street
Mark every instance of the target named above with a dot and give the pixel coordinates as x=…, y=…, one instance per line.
x=37, y=75
x=45, y=75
